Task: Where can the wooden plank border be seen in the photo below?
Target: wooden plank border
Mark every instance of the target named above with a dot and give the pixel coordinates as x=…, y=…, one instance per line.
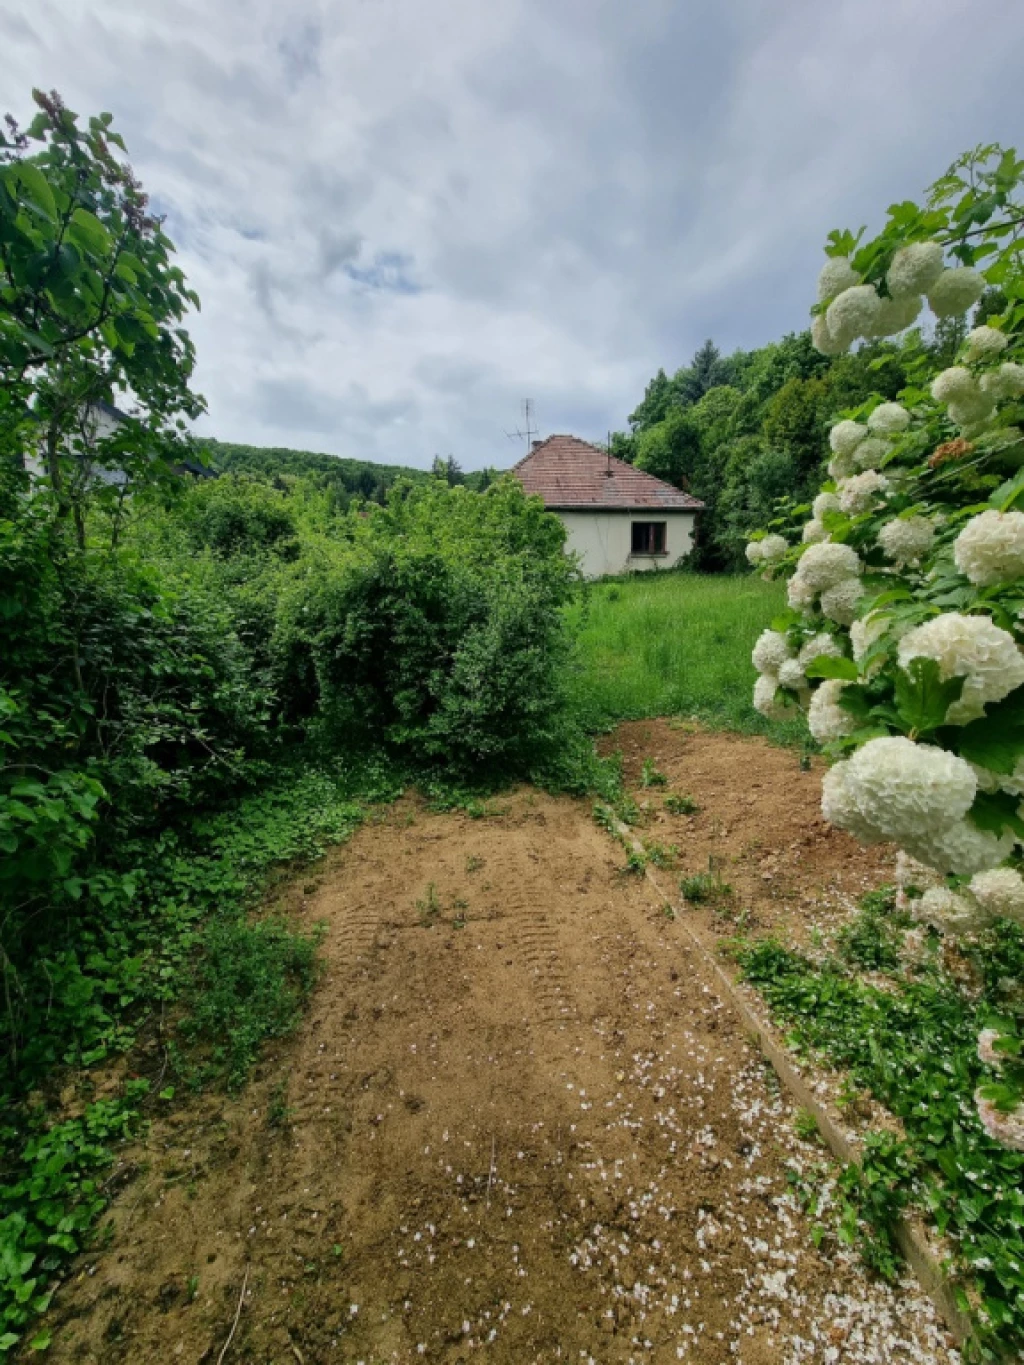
x=910, y=1235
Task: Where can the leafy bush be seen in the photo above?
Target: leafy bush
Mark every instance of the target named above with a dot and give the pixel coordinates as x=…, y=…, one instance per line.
x=436, y=626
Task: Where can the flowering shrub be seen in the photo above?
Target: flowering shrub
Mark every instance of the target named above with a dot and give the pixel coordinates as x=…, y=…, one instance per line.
x=907, y=572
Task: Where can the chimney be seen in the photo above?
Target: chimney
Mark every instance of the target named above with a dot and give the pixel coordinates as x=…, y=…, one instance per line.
x=535, y=444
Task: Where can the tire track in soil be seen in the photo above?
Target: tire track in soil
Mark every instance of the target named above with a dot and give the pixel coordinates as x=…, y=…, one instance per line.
x=538, y=1137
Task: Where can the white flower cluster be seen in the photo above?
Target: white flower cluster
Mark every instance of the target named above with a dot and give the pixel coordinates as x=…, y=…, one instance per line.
x=778, y=667
x=861, y=492
x=905, y=540
x=854, y=309
x=970, y=647
x=1000, y=893
x=899, y=789
x=990, y=548
x=827, y=719
x=916, y=796
x=766, y=550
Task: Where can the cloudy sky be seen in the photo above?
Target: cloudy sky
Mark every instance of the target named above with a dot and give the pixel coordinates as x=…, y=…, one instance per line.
x=405, y=216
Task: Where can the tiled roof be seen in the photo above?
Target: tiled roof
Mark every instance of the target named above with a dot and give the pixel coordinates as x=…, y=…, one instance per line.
x=569, y=473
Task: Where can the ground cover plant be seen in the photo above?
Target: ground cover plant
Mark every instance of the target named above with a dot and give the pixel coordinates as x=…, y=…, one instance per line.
x=902, y=1020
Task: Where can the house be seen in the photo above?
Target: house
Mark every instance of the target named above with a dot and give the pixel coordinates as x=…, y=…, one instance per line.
x=618, y=518
x=99, y=420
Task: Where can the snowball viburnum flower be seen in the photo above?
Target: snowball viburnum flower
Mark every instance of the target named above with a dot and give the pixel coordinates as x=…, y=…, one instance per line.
x=954, y=385
x=792, y=675
x=771, y=650
x=853, y=313
x=845, y=436
x=754, y=552
x=889, y=419
x=799, y=593
x=825, y=502
x=822, y=339
x=971, y=647
x=820, y=646
x=990, y=548
x=892, y=788
x=905, y=539
x=962, y=848
x=865, y=632
x=955, y=291
x=871, y=452
x=895, y=315
x=914, y=269
x=946, y=910
x=859, y=493
x=984, y=343
x=813, y=532
x=970, y=414
x=822, y=566
x=1000, y=891
x=835, y=275
x=1004, y=1127
x=1006, y=382
x=826, y=719
x=839, y=603
x=773, y=547
x=764, y=698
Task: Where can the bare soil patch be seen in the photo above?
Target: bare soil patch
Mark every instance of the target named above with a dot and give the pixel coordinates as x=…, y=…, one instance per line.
x=517, y=1125
x=759, y=825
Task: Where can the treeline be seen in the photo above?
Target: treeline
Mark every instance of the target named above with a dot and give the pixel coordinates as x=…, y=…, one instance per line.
x=746, y=433
x=342, y=479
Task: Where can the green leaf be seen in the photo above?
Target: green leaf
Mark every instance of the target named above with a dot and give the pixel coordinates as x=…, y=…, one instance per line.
x=922, y=697
x=41, y=1341
x=36, y=187
x=87, y=229
x=996, y=741
x=1009, y=493
x=825, y=666
x=996, y=812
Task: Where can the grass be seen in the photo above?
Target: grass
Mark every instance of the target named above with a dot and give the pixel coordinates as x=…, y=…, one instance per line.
x=674, y=644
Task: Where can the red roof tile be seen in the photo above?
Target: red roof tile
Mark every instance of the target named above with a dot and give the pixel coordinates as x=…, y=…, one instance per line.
x=568, y=473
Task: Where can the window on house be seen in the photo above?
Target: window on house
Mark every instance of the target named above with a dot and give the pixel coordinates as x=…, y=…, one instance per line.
x=648, y=537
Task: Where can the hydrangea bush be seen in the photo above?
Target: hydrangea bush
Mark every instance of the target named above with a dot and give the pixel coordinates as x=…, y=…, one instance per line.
x=903, y=640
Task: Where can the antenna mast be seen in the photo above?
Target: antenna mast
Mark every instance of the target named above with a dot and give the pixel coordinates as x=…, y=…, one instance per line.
x=528, y=431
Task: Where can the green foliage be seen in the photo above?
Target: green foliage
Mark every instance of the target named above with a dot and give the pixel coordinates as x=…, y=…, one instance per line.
x=250, y=985
x=49, y=1203
x=680, y=804
x=651, y=776
x=342, y=480
x=746, y=433
x=912, y=1043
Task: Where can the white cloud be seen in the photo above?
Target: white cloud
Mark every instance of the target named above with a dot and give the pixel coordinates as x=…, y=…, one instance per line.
x=402, y=218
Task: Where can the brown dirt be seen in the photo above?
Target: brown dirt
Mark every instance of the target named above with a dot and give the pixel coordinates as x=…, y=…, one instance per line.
x=759, y=826
x=540, y=1136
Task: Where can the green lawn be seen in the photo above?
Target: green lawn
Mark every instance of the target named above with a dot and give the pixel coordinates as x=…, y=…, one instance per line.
x=675, y=644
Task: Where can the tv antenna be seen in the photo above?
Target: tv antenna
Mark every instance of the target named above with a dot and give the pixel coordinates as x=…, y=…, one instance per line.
x=528, y=431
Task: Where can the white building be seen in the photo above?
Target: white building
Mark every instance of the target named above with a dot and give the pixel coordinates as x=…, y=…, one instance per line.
x=618, y=518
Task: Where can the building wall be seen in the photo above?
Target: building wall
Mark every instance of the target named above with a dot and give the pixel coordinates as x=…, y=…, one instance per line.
x=603, y=540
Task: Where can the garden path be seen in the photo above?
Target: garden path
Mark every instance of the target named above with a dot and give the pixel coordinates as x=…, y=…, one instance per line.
x=517, y=1123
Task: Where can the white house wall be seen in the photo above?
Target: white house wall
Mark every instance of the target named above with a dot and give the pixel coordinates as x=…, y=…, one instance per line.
x=603, y=540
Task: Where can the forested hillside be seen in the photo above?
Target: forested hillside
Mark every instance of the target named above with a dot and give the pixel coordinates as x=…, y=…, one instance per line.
x=746, y=431
x=340, y=478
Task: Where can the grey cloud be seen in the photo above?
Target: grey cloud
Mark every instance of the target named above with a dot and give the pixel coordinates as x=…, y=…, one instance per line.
x=404, y=218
